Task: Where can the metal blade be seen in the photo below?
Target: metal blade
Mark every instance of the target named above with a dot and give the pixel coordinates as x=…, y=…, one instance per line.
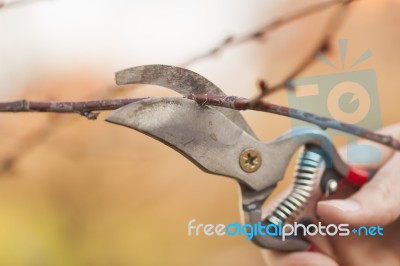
x=200, y=133
x=181, y=80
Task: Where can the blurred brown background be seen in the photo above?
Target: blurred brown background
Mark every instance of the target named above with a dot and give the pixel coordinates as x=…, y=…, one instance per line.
x=79, y=192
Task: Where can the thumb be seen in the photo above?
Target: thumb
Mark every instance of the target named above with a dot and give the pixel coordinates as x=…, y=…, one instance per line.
x=376, y=203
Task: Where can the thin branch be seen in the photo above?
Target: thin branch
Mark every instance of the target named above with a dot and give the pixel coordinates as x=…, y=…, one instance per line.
x=85, y=108
x=7, y=164
x=88, y=107
x=237, y=103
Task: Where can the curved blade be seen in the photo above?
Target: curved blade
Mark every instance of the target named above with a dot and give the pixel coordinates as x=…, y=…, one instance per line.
x=200, y=133
x=181, y=80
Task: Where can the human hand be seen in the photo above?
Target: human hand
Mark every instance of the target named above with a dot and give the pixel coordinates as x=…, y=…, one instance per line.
x=375, y=203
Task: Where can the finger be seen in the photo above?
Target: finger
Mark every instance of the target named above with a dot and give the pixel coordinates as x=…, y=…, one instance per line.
x=365, y=160
x=297, y=259
x=372, y=194
x=376, y=203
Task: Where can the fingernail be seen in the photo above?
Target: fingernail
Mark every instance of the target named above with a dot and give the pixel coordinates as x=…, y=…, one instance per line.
x=343, y=205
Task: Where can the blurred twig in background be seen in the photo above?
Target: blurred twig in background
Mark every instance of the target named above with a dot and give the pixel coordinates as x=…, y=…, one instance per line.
x=33, y=136
x=11, y=3
x=260, y=34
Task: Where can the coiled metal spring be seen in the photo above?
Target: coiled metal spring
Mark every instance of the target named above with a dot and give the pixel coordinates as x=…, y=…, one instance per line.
x=306, y=179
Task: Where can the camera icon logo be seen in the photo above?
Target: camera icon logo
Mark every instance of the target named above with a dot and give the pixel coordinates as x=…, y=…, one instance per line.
x=344, y=102
x=348, y=96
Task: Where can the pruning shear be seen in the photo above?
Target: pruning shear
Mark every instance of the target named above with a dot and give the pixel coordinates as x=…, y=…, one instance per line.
x=219, y=141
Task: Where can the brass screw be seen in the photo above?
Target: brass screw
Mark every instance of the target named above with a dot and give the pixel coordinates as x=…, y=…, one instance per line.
x=250, y=160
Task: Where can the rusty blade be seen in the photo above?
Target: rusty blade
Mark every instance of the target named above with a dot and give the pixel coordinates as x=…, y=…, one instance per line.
x=200, y=133
x=181, y=80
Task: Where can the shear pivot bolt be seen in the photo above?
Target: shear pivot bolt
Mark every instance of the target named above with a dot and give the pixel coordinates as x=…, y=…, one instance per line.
x=250, y=160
